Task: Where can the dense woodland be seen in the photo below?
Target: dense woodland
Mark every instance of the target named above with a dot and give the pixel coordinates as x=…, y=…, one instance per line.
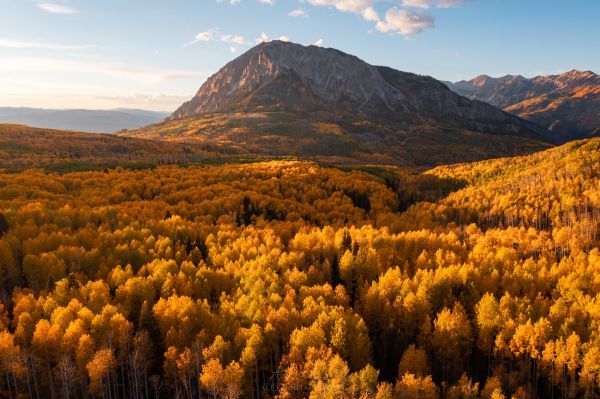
x=289, y=280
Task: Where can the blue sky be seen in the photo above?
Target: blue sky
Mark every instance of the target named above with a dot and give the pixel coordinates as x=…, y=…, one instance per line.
x=154, y=54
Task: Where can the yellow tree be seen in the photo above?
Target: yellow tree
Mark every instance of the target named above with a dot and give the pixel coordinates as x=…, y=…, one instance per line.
x=413, y=361
x=464, y=389
x=232, y=381
x=10, y=361
x=100, y=369
x=452, y=336
x=46, y=344
x=413, y=387
x=211, y=377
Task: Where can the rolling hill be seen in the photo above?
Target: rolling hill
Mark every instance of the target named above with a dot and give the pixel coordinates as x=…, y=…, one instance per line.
x=93, y=121
x=25, y=147
x=568, y=105
x=282, y=98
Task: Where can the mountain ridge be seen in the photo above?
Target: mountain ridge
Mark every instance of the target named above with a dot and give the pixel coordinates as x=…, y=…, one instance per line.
x=329, y=77
x=281, y=98
x=567, y=104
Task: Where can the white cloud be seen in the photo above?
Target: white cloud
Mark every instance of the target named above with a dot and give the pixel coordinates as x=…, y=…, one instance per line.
x=370, y=14
x=432, y=3
x=416, y=3
x=354, y=6
x=55, y=8
x=449, y=3
x=213, y=35
x=318, y=43
x=205, y=36
x=405, y=22
x=270, y=2
x=10, y=43
x=237, y=39
x=298, y=12
x=263, y=38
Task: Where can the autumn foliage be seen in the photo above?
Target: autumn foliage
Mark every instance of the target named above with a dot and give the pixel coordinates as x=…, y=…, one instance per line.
x=289, y=280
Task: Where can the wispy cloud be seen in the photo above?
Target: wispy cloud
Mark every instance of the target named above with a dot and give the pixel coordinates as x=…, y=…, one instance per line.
x=90, y=97
x=214, y=35
x=130, y=72
x=56, y=8
x=158, y=101
x=416, y=3
x=265, y=38
x=432, y=3
x=298, y=12
x=20, y=44
x=449, y=3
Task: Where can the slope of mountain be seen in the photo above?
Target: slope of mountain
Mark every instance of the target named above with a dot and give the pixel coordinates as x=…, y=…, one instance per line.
x=24, y=147
x=94, y=121
x=282, y=98
x=568, y=105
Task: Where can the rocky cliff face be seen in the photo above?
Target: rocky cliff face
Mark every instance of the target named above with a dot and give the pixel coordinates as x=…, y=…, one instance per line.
x=568, y=105
x=330, y=76
x=282, y=76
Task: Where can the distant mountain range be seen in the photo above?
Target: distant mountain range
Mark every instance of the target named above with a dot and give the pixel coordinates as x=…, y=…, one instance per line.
x=281, y=98
x=94, y=121
x=568, y=105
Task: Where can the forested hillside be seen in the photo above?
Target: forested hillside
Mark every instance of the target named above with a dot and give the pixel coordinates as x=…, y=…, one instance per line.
x=290, y=280
x=24, y=147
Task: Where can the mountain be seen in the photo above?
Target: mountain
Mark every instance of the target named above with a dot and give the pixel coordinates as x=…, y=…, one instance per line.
x=94, y=121
x=568, y=105
x=281, y=98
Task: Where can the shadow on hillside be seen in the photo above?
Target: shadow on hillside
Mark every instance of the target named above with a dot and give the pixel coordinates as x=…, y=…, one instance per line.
x=413, y=188
x=410, y=186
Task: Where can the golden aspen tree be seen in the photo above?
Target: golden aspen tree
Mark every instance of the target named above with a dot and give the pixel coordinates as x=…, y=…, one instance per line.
x=413, y=361
x=100, y=370
x=410, y=386
x=211, y=377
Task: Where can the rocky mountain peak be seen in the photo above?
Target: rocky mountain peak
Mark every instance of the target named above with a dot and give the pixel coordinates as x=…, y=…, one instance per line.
x=482, y=80
x=566, y=104
x=330, y=76
x=326, y=83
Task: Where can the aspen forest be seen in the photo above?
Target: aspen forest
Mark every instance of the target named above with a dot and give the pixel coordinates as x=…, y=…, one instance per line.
x=288, y=279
